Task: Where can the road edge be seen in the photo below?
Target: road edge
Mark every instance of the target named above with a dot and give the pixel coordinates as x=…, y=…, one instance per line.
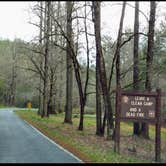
x=52, y=141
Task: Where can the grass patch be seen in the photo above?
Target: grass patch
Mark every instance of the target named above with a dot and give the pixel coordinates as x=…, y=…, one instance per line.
x=89, y=147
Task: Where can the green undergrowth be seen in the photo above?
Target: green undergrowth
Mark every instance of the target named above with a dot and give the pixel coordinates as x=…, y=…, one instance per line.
x=77, y=141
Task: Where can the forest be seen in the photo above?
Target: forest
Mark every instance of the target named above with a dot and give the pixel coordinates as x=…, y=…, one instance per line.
x=71, y=67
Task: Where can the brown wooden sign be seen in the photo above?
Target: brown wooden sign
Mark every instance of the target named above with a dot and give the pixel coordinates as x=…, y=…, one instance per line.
x=139, y=106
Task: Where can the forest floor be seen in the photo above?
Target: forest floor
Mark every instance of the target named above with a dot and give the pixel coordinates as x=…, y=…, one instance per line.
x=94, y=149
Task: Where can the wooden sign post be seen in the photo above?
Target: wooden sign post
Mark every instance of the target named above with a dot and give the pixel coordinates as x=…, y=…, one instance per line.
x=140, y=107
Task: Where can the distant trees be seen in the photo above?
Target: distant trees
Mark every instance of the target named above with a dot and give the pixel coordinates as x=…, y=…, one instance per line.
x=15, y=83
x=71, y=55
x=46, y=60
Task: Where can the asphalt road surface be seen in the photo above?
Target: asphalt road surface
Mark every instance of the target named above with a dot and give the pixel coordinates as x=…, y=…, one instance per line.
x=21, y=143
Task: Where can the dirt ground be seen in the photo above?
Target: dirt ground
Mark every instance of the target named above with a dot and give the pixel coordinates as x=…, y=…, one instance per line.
x=130, y=145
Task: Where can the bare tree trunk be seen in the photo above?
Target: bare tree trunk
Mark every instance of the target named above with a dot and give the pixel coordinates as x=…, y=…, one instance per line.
x=80, y=90
x=13, y=86
x=46, y=57
x=102, y=71
x=82, y=106
x=87, y=53
x=69, y=71
x=41, y=61
x=99, y=126
x=149, y=59
x=72, y=54
x=61, y=67
x=12, y=90
x=116, y=57
x=60, y=87
x=51, y=109
x=83, y=91
x=118, y=46
x=52, y=67
x=99, y=130
x=150, y=52
x=117, y=52
x=136, y=127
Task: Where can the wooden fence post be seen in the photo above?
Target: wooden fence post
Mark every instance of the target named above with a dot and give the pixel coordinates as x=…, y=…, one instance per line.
x=158, y=126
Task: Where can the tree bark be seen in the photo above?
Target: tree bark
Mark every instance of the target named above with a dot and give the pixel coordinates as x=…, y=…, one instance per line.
x=136, y=125
x=102, y=71
x=12, y=87
x=76, y=66
x=149, y=59
x=118, y=46
x=69, y=70
x=99, y=130
x=51, y=108
x=40, y=110
x=46, y=57
x=117, y=52
x=99, y=126
x=61, y=67
x=13, y=81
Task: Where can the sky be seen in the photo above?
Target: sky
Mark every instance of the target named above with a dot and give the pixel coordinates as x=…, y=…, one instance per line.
x=111, y=14
x=15, y=17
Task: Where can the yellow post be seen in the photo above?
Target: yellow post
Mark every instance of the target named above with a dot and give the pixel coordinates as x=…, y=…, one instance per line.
x=29, y=105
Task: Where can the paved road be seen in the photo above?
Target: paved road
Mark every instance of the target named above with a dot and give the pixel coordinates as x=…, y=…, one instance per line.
x=21, y=143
